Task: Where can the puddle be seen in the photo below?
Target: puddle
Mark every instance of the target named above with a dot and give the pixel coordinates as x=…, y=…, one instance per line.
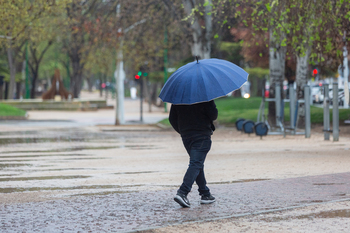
x=1, y=175
x=141, y=147
x=128, y=173
x=86, y=158
x=19, y=132
x=335, y=144
x=56, y=160
x=132, y=147
x=238, y=181
x=344, y=213
x=6, y=141
x=328, y=184
x=99, y=193
x=59, y=169
x=35, y=156
x=92, y=187
x=340, y=194
x=332, y=214
x=7, y=165
x=42, y=178
x=312, y=201
x=63, y=149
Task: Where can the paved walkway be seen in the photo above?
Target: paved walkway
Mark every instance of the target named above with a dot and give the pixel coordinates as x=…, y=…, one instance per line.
x=91, y=118
x=125, y=212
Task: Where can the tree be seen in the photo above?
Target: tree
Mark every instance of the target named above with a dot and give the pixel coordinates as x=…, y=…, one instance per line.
x=17, y=17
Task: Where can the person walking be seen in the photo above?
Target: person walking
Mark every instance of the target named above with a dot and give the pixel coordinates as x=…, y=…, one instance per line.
x=195, y=125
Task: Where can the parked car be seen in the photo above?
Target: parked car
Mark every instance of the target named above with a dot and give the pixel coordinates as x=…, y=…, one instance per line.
x=317, y=94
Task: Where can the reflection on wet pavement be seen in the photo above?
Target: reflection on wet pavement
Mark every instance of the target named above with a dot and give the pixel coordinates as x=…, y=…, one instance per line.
x=86, y=187
x=238, y=181
x=41, y=178
x=343, y=213
x=35, y=156
x=33, y=161
x=7, y=165
x=98, y=191
x=332, y=214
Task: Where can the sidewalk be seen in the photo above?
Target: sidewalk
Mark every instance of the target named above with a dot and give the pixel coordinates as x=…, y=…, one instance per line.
x=84, y=177
x=92, y=118
x=125, y=212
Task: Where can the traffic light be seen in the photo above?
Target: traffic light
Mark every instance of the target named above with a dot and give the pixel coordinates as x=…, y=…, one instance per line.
x=139, y=73
x=137, y=76
x=314, y=72
x=145, y=74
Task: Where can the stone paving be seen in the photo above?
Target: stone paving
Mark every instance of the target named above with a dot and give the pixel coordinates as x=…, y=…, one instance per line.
x=127, y=212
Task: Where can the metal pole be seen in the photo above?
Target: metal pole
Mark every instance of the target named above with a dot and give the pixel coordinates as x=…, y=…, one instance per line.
x=27, y=94
x=291, y=106
x=307, y=112
x=346, y=74
x=119, y=75
x=326, y=122
x=165, y=61
x=141, y=96
x=278, y=103
x=335, y=112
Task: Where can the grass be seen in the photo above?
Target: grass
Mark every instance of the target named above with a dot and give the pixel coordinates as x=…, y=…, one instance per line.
x=9, y=111
x=231, y=109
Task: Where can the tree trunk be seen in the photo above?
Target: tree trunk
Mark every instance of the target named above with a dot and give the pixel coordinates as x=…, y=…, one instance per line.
x=201, y=45
x=147, y=93
x=100, y=85
x=277, y=66
x=18, y=90
x=34, y=66
x=35, y=77
x=301, y=80
x=154, y=94
x=90, y=82
x=12, y=65
x=76, y=80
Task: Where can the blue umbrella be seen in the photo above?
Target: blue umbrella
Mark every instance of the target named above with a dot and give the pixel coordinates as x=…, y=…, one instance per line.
x=202, y=81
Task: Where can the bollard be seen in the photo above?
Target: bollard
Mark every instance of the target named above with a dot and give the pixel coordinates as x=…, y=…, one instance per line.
x=292, y=107
x=307, y=112
x=335, y=113
x=326, y=122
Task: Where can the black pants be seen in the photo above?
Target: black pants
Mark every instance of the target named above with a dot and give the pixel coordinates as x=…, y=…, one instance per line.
x=197, y=147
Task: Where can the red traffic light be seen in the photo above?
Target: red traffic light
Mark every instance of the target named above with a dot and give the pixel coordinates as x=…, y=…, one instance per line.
x=314, y=72
x=137, y=77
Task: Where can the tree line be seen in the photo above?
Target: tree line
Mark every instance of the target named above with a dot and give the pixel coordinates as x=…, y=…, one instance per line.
x=82, y=38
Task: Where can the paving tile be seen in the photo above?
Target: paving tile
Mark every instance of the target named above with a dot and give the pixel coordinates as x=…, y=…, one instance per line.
x=134, y=211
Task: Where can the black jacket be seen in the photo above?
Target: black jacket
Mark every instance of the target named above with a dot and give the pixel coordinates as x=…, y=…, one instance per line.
x=193, y=119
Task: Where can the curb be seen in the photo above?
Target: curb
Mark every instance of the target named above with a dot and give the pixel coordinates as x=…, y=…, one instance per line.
x=133, y=128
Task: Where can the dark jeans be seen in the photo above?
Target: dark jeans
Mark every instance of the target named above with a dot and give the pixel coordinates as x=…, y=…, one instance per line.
x=197, y=147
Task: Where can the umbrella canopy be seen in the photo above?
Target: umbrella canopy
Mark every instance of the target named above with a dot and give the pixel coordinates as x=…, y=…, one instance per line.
x=202, y=81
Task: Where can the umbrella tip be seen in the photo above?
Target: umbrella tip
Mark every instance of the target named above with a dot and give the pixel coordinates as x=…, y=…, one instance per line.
x=197, y=59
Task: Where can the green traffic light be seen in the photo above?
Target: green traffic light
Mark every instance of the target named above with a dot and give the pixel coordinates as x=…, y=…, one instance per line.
x=145, y=74
x=139, y=73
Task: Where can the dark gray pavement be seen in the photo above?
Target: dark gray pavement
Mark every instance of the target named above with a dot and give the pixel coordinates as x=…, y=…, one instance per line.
x=127, y=212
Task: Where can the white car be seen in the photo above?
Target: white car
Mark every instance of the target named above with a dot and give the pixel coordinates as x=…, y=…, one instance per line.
x=317, y=94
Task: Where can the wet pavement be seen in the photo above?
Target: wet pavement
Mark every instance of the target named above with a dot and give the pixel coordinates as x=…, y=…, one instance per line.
x=66, y=174
x=125, y=212
x=85, y=196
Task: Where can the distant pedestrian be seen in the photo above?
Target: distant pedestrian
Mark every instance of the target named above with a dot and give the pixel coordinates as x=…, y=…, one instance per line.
x=195, y=125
